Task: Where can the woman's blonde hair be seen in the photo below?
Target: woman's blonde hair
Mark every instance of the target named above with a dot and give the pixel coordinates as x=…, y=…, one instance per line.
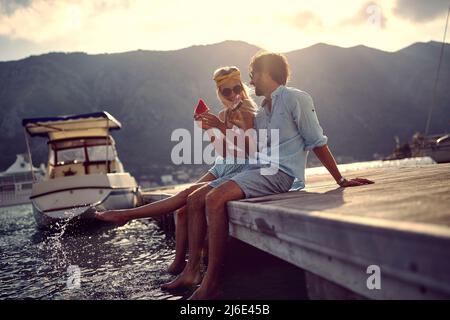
x=232, y=72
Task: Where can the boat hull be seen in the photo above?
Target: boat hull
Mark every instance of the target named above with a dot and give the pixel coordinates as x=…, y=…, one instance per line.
x=438, y=154
x=123, y=199
x=56, y=202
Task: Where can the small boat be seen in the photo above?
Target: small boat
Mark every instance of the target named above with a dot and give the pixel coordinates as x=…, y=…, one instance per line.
x=84, y=173
x=437, y=147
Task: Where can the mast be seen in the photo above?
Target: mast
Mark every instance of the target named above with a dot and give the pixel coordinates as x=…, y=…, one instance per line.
x=433, y=102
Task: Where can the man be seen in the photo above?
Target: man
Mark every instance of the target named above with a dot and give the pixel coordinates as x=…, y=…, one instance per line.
x=292, y=113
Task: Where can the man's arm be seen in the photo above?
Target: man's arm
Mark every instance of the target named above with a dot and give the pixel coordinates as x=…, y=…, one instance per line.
x=304, y=114
x=323, y=153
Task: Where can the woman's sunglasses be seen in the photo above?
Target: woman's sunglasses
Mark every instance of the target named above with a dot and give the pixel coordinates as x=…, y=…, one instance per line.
x=226, y=92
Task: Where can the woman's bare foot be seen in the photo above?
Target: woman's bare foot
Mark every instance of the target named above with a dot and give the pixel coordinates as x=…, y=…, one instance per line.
x=185, y=280
x=176, y=267
x=113, y=216
x=203, y=293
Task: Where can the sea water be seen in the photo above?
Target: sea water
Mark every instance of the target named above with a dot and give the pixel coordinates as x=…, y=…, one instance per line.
x=102, y=262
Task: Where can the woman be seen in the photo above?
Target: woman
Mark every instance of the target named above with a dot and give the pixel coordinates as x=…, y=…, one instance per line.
x=237, y=113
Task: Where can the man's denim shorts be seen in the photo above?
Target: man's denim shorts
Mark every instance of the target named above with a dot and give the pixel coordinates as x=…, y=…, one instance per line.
x=254, y=184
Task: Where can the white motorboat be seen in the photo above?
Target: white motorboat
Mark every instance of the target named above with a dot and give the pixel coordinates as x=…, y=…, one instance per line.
x=84, y=172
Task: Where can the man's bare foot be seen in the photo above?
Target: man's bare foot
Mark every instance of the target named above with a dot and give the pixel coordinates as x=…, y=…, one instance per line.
x=176, y=267
x=112, y=216
x=184, y=280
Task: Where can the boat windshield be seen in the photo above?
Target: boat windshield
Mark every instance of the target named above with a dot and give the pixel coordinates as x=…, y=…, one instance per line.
x=80, y=151
x=100, y=153
x=74, y=155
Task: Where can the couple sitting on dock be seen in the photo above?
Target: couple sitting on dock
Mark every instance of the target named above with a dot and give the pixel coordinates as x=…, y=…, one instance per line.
x=202, y=206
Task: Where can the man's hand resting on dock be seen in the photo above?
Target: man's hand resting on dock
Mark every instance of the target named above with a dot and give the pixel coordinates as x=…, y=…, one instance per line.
x=355, y=182
x=323, y=153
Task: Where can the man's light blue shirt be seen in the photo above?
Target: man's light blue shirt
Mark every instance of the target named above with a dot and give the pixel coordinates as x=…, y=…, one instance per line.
x=294, y=115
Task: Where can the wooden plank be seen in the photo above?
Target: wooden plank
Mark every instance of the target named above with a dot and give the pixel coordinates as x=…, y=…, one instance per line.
x=411, y=194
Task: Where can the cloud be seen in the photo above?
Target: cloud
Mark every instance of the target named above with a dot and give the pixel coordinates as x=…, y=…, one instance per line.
x=98, y=26
x=48, y=20
x=421, y=10
x=8, y=7
x=370, y=13
x=305, y=19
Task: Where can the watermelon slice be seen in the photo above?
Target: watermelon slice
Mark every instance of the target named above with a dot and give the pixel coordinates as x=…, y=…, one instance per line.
x=201, y=107
x=237, y=102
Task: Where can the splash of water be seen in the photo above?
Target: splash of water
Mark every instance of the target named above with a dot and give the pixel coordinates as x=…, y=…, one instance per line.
x=54, y=241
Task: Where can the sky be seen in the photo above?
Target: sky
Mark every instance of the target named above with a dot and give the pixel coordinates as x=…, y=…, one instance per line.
x=30, y=27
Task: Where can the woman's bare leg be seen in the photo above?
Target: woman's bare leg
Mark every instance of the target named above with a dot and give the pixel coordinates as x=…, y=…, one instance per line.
x=181, y=234
x=181, y=238
x=150, y=210
x=191, y=274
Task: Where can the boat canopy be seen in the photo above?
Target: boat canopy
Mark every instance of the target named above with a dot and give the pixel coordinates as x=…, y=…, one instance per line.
x=72, y=126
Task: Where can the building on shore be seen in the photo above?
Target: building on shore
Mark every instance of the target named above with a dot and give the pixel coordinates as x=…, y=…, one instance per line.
x=16, y=181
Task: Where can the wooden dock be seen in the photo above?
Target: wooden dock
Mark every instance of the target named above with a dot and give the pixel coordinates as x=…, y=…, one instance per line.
x=400, y=224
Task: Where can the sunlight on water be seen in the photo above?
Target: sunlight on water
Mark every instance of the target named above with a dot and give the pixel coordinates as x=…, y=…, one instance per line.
x=410, y=162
